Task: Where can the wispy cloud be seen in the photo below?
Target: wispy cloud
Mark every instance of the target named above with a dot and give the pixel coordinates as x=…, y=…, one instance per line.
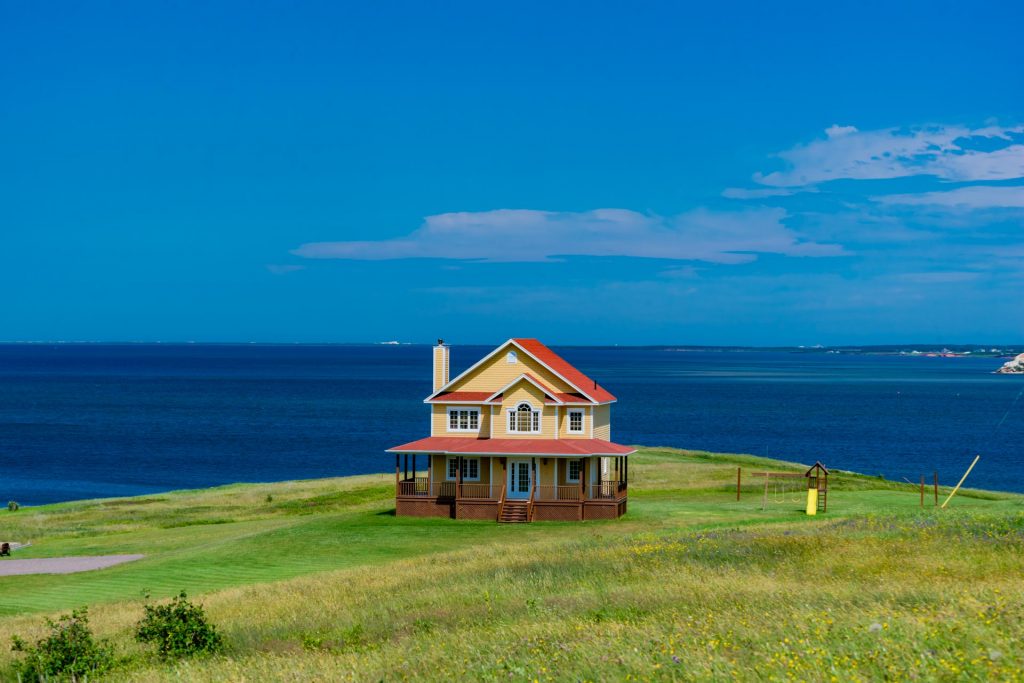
x=970, y=197
x=940, y=276
x=946, y=152
x=283, y=268
x=523, y=235
x=763, y=192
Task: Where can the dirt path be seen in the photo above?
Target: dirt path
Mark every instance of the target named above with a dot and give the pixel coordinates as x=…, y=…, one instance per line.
x=62, y=565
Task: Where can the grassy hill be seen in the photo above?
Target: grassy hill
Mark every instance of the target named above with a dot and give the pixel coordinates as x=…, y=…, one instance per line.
x=318, y=580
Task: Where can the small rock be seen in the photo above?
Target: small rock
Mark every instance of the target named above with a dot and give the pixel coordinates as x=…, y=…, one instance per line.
x=875, y=627
x=995, y=655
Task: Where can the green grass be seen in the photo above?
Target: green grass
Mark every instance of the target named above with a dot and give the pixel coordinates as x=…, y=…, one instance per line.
x=323, y=582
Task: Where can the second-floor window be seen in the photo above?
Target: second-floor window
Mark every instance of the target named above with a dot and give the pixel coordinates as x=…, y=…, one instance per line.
x=463, y=419
x=575, y=421
x=524, y=419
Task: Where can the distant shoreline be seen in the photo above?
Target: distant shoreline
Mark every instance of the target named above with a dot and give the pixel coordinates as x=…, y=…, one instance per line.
x=912, y=350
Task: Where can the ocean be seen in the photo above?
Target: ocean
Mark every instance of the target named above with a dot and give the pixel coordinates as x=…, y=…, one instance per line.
x=98, y=420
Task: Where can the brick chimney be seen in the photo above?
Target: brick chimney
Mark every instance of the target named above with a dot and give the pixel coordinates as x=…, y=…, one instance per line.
x=440, y=364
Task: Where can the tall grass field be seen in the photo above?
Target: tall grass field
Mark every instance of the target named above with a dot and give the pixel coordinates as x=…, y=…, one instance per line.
x=319, y=581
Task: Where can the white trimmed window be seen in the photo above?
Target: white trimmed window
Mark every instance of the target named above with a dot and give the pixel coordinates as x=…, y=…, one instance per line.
x=576, y=421
x=470, y=469
x=524, y=419
x=572, y=471
x=463, y=419
x=511, y=357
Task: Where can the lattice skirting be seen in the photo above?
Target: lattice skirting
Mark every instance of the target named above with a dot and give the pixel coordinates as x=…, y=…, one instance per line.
x=423, y=508
x=604, y=510
x=477, y=511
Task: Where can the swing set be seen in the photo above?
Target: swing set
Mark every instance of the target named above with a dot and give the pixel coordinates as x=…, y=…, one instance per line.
x=793, y=488
x=782, y=487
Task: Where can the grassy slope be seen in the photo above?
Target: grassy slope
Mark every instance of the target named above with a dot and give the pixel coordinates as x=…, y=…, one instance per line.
x=324, y=579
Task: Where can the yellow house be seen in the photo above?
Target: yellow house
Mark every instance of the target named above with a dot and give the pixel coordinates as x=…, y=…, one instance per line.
x=520, y=436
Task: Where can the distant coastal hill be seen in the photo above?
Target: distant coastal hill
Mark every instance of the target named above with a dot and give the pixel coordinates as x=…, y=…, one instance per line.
x=1012, y=367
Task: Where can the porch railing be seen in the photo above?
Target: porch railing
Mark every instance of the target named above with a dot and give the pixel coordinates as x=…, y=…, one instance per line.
x=608, y=490
x=422, y=487
x=484, y=491
x=501, y=502
x=419, y=486
x=552, y=492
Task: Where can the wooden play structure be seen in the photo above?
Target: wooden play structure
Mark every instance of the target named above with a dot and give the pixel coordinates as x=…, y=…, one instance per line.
x=817, y=488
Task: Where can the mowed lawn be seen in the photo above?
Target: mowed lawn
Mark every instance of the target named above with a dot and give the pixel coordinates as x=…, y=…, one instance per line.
x=319, y=580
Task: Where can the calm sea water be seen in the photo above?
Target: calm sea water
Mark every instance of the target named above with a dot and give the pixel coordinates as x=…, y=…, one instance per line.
x=80, y=421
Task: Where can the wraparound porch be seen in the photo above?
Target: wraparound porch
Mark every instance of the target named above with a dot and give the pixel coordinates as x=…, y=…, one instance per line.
x=511, y=488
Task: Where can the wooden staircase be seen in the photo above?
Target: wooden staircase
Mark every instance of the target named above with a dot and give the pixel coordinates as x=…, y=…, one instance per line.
x=514, y=512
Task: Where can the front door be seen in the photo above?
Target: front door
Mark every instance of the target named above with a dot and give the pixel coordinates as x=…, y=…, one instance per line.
x=518, y=478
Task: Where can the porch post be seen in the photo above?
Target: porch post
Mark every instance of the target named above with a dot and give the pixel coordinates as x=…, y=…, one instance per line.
x=396, y=473
x=583, y=479
x=533, y=478
x=458, y=477
x=406, y=467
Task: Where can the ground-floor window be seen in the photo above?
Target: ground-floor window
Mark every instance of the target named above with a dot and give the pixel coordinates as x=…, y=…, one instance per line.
x=572, y=471
x=470, y=469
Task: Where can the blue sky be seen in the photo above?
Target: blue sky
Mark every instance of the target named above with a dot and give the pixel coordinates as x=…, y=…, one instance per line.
x=735, y=173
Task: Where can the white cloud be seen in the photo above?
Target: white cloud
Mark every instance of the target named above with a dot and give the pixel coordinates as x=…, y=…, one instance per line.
x=972, y=197
x=518, y=235
x=945, y=152
x=837, y=131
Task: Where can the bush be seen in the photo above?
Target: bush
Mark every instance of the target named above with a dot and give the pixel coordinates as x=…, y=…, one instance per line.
x=12, y=505
x=69, y=651
x=178, y=629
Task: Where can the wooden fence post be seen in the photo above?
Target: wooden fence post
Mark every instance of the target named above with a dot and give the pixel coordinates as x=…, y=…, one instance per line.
x=738, y=470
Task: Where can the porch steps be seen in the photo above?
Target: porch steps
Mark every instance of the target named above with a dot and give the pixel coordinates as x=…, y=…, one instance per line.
x=514, y=512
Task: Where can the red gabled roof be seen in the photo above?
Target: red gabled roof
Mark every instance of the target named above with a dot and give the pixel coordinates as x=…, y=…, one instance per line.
x=565, y=369
x=549, y=447
x=480, y=396
x=571, y=398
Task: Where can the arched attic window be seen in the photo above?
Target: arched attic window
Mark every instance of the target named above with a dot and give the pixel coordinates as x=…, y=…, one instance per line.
x=524, y=419
x=511, y=357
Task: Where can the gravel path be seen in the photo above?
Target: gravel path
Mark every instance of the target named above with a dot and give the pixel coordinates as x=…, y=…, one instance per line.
x=62, y=565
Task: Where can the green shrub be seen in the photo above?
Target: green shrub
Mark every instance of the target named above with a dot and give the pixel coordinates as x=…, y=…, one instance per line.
x=178, y=629
x=70, y=651
x=12, y=505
